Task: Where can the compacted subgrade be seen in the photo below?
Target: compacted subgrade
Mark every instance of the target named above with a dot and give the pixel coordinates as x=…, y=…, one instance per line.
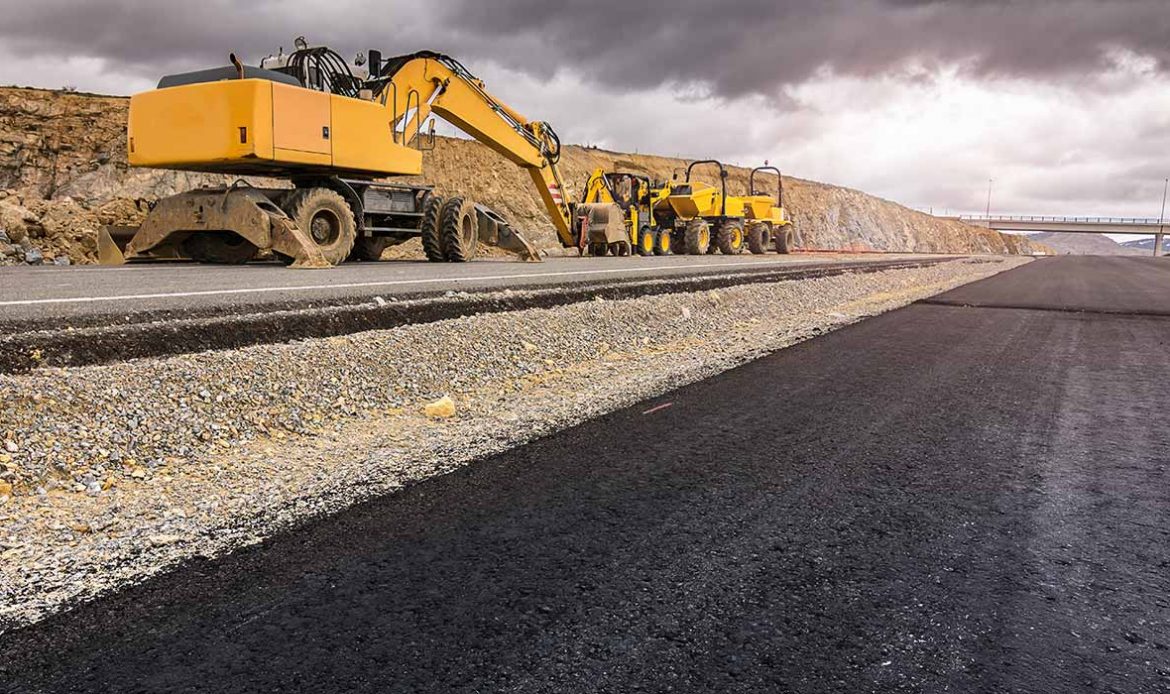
x=100, y=327
x=940, y=498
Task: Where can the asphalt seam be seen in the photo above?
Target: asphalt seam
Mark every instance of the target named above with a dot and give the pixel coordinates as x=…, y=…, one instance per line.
x=1048, y=309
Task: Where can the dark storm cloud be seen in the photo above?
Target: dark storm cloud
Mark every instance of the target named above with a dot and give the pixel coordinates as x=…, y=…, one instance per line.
x=747, y=46
x=146, y=37
x=726, y=48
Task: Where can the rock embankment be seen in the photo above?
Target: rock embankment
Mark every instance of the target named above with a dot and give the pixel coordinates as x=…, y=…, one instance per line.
x=63, y=163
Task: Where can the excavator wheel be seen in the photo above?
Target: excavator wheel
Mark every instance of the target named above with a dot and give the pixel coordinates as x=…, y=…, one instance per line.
x=784, y=239
x=646, y=239
x=758, y=237
x=432, y=242
x=598, y=249
x=697, y=237
x=459, y=230
x=221, y=247
x=326, y=219
x=729, y=237
x=662, y=242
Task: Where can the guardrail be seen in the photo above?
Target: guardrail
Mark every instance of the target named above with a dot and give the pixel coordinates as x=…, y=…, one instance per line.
x=1143, y=221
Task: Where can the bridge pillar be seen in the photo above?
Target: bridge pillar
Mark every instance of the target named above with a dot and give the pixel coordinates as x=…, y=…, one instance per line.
x=1157, y=244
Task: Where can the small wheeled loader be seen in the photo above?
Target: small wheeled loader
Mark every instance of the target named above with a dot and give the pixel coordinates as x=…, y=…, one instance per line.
x=616, y=209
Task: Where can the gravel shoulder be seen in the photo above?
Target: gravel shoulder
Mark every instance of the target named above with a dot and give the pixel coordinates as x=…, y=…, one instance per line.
x=115, y=473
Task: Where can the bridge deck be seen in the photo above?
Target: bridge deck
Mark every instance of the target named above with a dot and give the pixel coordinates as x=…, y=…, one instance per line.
x=1086, y=225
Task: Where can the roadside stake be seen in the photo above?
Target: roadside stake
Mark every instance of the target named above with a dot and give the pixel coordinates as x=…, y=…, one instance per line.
x=654, y=409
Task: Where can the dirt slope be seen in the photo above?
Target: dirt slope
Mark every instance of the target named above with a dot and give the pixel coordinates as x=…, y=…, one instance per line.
x=70, y=149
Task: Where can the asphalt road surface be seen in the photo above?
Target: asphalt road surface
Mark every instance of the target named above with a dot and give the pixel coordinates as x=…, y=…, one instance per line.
x=941, y=498
x=61, y=293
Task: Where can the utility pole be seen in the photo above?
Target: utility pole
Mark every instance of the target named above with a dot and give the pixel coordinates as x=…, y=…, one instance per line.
x=1161, y=220
x=989, y=181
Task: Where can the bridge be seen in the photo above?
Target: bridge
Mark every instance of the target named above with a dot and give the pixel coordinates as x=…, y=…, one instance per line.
x=1084, y=225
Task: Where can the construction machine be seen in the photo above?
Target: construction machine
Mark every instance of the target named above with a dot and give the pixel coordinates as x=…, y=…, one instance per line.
x=767, y=220
x=632, y=197
x=705, y=219
x=326, y=131
x=692, y=209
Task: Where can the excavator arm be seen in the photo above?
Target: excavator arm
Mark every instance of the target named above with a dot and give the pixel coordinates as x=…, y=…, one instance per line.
x=415, y=86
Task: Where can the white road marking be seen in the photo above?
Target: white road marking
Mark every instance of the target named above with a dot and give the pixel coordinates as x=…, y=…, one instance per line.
x=663, y=406
x=384, y=283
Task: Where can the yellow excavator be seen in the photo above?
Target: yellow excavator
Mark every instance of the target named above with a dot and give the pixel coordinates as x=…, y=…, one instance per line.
x=630, y=198
x=327, y=130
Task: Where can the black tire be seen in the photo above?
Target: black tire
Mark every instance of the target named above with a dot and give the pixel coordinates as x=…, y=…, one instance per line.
x=619, y=248
x=459, y=230
x=222, y=247
x=783, y=239
x=326, y=219
x=729, y=237
x=646, y=241
x=432, y=242
x=598, y=249
x=662, y=242
x=758, y=237
x=696, y=237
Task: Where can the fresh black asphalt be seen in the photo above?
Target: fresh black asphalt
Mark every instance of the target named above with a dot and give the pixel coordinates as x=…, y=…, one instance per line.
x=948, y=497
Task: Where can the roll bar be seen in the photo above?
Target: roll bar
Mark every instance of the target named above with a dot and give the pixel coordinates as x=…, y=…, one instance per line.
x=722, y=180
x=779, y=182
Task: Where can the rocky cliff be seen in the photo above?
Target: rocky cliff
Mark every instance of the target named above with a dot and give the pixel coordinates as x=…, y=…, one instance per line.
x=63, y=172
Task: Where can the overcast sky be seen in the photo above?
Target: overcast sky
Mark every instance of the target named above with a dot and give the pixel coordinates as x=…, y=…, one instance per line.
x=1065, y=103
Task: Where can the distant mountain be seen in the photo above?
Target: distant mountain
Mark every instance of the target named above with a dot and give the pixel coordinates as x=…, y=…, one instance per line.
x=1066, y=243
x=1148, y=244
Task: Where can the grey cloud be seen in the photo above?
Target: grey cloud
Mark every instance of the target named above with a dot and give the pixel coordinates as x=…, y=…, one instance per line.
x=757, y=45
x=719, y=48
x=148, y=37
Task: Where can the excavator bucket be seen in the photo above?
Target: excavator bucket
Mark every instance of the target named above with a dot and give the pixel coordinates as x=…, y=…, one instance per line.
x=494, y=230
x=603, y=222
x=222, y=226
x=111, y=243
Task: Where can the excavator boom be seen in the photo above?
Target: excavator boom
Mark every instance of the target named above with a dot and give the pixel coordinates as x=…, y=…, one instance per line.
x=420, y=84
